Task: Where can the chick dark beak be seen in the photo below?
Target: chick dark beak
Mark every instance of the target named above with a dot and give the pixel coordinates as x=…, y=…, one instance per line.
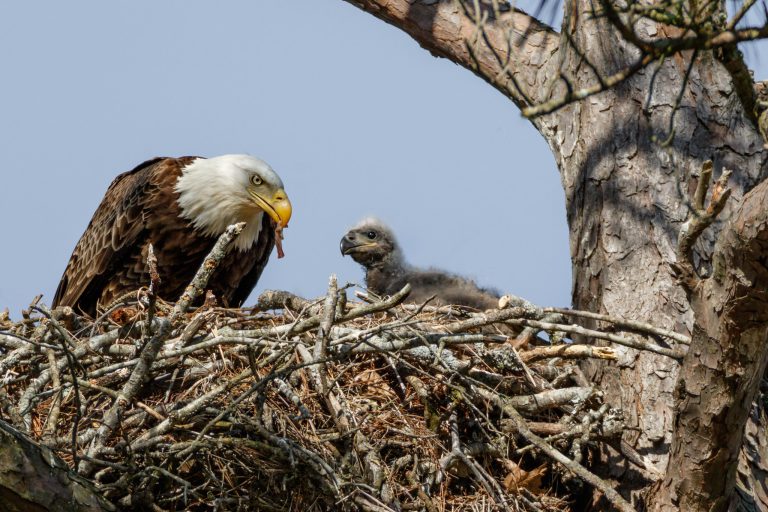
x=347, y=244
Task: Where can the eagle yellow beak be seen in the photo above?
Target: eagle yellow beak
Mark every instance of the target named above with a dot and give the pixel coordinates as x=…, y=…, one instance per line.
x=278, y=207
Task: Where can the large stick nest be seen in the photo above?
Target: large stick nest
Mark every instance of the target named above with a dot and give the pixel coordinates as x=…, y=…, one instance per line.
x=308, y=405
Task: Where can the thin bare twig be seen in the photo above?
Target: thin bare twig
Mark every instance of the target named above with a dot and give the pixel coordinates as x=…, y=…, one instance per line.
x=620, y=322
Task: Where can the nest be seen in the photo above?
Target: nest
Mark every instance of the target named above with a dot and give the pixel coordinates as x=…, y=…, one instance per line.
x=305, y=405
x=318, y=405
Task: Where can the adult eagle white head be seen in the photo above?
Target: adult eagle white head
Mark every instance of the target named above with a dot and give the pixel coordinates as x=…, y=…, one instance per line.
x=180, y=206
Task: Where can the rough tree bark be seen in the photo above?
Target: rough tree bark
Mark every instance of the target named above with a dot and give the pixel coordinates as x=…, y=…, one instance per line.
x=627, y=194
x=34, y=479
x=721, y=372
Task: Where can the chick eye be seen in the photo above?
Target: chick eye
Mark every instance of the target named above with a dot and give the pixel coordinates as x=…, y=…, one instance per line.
x=256, y=180
x=371, y=235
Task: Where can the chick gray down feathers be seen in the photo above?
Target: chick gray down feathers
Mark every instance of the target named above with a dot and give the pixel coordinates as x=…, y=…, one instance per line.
x=373, y=245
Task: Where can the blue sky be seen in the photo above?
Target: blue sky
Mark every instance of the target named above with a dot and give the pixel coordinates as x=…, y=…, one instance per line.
x=356, y=118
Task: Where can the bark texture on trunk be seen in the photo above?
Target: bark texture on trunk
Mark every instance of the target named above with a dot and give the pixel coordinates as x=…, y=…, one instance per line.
x=627, y=196
x=35, y=480
x=724, y=366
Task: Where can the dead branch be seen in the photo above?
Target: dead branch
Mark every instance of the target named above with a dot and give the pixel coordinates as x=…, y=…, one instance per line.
x=549, y=399
x=579, y=470
x=620, y=340
x=209, y=265
x=620, y=322
x=700, y=218
x=567, y=352
x=154, y=286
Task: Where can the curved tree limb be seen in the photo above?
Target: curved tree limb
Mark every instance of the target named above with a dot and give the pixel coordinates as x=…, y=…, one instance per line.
x=506, y=49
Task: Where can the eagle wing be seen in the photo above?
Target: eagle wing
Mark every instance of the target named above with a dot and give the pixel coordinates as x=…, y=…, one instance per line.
x=115, y=228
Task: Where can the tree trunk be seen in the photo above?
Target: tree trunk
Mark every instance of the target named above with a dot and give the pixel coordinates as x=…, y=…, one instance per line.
x=35, y=480
x=627, y=195
x=724, y=366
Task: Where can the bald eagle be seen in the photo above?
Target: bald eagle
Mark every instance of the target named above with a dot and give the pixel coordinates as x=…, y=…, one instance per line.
x=373, y=245
x=180, y=206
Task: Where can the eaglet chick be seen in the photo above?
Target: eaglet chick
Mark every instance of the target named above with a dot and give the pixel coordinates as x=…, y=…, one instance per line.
x=373, y=245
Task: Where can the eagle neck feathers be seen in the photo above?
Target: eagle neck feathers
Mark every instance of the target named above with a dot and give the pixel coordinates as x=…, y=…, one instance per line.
x=380, y=275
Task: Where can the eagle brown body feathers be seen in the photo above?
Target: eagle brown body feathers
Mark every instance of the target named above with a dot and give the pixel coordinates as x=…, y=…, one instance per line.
x=141, y=207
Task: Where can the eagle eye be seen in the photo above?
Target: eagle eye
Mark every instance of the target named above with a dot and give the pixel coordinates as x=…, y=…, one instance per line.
x=256, y=180
x=371, y=235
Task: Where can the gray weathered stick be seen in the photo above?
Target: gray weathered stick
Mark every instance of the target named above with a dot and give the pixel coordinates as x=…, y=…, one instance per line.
x=620, y=322
x=127, y=394
x=210, y=264
x=609, y=492
x=615, y=338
